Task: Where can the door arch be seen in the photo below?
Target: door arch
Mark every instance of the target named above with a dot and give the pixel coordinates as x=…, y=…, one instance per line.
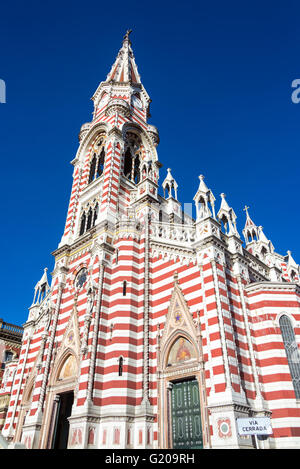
x=60, y=399
x=182, y=416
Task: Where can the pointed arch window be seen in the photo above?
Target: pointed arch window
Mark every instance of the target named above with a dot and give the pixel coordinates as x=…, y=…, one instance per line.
x=291, y=350
x=92, y=169
x=95, y=214
x=100, y=166
x=121, y=360
x=128, y=164
x=168, y=191
x=137, y=174
x=263, y=252
x=97, y=161
x=88, y=219
x=82, y=224
x=132, y=158
x=224, y=224
x=293, y=276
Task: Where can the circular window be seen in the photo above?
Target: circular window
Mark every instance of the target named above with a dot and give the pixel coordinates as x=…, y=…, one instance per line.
x=81, y=278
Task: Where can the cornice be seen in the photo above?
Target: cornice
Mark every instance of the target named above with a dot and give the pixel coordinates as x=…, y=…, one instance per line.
x=274, y=286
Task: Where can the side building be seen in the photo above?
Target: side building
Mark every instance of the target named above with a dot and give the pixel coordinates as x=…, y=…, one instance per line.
x=10, y=348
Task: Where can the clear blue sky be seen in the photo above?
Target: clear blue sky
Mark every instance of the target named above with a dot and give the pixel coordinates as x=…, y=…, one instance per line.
x=219, y=75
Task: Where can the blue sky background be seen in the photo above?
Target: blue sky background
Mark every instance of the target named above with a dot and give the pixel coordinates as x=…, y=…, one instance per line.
x=219, y=75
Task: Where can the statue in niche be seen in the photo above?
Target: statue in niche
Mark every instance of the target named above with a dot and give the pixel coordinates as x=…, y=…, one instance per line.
x=90, y=302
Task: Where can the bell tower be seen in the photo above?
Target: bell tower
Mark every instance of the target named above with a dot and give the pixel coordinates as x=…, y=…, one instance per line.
x=152, y=332
x=117, y=151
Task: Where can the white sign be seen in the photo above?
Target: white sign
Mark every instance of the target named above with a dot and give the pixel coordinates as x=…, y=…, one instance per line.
x=254, y=426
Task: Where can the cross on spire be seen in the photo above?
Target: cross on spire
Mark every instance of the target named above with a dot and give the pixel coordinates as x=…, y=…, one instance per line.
x=246, y=210
x=126, y=37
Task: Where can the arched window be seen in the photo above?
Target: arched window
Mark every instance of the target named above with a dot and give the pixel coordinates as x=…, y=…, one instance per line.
x=291, y=350
x=95, y=214
x=97, y=161
x=254, y=237
x=100, y=166
x=128, y=164
x=121, y=366
x=263, y=252
x=293, y=275
x=92, y=169
x=124, y=287
x=224, y=224
x=89, y=219
x=137, y=175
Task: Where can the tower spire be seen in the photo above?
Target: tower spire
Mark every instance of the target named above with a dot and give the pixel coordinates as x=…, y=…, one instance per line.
x=124, y=68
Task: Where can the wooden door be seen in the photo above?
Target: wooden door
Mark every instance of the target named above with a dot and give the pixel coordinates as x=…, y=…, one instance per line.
x=186, y=416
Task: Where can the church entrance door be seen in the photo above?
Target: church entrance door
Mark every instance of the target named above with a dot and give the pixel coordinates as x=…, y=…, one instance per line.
x=61, y=431
x=186, y=416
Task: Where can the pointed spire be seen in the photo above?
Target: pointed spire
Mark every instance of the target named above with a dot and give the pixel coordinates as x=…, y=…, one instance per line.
x=227, y=216
x=261, y=236
x=124, y=68
x=250, y=230
x=249, y=222
x=202, y=186
x=203, y=198
x=41, y=288
x=292, y=268
x=224, y=204
x=169, y=184
x=291, y=261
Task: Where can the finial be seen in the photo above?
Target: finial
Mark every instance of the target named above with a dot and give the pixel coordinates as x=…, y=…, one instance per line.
x=201, y=177
x=175, y=276
x=126, y=37
x=246, y=210
x=223, y=195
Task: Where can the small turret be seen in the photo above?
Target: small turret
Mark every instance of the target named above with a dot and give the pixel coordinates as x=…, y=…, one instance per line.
x=292, y=268
x=250, y=230
x=169, y=185
x=227, y=218
x=41, y=289
x=204, y=200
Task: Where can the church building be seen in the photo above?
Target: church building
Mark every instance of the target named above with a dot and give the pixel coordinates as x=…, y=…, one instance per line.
x=157, y=330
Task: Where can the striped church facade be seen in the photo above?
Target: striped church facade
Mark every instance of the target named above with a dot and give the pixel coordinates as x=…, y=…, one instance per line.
x=149, y=310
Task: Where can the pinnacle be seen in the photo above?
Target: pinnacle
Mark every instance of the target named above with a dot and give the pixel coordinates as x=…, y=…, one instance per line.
x=124, y=68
